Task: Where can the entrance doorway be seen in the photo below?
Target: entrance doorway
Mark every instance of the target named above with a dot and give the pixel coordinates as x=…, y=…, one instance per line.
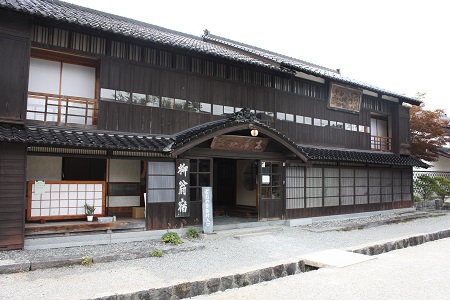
x=235, y=191
x=271, y=191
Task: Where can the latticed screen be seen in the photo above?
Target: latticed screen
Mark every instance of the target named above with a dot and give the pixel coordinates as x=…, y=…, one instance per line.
x=161, y=182
x=62, y=200
x=308, y=187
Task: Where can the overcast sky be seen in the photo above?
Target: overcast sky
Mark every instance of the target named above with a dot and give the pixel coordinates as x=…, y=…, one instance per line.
x=402, y=46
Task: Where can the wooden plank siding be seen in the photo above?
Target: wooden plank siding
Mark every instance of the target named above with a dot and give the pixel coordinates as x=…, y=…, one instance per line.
x=154, y=80
x=12, y=195
x=162, y=216
x=14, y=56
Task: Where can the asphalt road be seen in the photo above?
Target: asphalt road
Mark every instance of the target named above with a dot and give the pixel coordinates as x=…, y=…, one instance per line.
x=421, y=272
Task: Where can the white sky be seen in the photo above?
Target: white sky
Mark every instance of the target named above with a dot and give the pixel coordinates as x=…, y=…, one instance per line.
x=399, y=45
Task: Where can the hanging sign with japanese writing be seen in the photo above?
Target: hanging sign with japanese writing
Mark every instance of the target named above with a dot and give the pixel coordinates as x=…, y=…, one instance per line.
x=182, y=188
x=207, y=209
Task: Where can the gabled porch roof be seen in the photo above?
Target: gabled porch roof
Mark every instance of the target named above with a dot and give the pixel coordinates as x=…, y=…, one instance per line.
x=173, y=145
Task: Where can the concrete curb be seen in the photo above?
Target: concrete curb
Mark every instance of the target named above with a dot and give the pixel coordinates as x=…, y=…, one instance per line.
x=213, y=285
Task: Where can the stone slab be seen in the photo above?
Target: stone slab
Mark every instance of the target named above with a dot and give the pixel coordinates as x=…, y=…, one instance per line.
x=334, y=258
x=8, y=266
x=265, y=231
x=299, y=222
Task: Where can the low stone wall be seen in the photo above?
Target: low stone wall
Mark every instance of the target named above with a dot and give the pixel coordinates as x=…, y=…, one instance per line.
x=213, y=285
x=409, y=241
x=209, y=286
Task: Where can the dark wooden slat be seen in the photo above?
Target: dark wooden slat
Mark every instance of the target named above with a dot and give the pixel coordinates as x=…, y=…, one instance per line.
x=12, y=199
x=14, y=58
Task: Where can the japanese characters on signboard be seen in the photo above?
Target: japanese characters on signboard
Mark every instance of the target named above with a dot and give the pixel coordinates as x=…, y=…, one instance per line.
x=207, y=209
x=182, y=186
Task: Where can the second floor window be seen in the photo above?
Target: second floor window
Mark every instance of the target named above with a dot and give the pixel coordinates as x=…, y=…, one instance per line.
x=61, y=93
x=380, y=137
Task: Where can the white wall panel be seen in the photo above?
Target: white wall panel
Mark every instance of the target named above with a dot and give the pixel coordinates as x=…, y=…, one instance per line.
x=124, y=170
x=44, y=76
x=78, y=81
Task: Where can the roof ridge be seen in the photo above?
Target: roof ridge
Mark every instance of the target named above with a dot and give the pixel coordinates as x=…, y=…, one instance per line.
x=219, y=39
x=120, y=18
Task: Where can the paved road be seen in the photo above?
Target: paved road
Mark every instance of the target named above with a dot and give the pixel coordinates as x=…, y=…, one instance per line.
x=421, y=272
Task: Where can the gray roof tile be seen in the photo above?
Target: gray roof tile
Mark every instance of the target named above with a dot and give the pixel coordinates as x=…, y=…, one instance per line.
x=221, y=47
x=97, y=139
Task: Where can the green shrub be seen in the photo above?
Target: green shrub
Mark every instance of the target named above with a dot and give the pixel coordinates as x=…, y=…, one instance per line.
x=425, y=186
x=172, y=238
x=156, y=253
x=87, y=261
x=443, y=187
x=192, y=233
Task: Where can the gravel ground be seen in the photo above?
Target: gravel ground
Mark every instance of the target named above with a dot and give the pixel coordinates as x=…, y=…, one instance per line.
x=221, y=255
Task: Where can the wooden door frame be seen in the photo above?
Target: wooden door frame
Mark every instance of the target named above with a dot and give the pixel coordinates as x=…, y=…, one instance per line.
x=282, y=186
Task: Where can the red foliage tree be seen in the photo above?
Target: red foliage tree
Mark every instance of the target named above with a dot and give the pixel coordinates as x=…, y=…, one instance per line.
x=428, y=131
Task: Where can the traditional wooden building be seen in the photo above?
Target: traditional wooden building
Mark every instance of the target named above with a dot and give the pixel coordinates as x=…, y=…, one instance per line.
x=101, y=109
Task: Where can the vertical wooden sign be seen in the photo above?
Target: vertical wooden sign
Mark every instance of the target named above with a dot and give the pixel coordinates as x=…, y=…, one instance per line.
x=207, y=209
x=182, y=188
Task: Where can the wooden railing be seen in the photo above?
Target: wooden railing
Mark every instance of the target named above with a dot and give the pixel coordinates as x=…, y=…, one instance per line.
x=381, y=143
x=62, y=110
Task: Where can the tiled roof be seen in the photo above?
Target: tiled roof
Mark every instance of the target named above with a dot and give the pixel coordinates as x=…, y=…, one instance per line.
x=366, y=157
x=81, y=138
x=97, y=139
x=303, y=66
x=310, y=153
x=221, y=47
x=87, y=17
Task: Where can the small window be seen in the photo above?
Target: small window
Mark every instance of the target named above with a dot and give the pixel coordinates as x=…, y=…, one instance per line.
x=167, y=102
x=140, y=99
x=324, y=123
x=317, y=122
x=228, y=109
x=153, y=101
x=122, y=96
x=268, y=116
x=205, y=107
x=217, y=110
x=299, y=119
x=124, y=189
x=308, y=120
x=281, y=116
x=193, y=106
x=180, y=104
x=108, y=95
x=290, y=117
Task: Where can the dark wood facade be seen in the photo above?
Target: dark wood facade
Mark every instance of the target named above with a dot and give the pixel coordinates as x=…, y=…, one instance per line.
x=14, y=58
x=199, y=88
x=12, y=195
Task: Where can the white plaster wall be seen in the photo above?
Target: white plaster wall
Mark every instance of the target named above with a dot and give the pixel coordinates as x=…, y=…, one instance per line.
x=124, y=170
x=443, y=165
x=44, y=167
x=120, y=201
x=243, y=196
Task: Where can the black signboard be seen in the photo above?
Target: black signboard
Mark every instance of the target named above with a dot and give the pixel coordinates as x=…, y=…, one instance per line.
x=182, y=189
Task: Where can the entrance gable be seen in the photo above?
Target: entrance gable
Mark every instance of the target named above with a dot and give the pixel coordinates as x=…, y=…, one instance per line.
x=242, y=121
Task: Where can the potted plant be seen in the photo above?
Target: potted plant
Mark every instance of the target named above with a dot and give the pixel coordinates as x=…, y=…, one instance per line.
x=89, y=209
